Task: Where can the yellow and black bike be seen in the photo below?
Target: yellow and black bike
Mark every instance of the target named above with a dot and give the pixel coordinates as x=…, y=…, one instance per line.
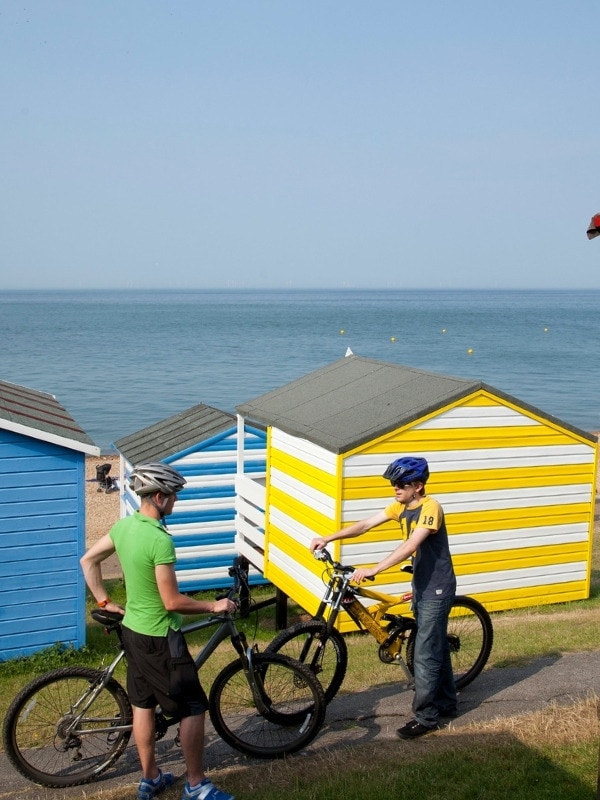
x=319, y=645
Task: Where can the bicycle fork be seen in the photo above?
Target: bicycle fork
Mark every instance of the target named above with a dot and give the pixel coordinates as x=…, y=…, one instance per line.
x=252, y=673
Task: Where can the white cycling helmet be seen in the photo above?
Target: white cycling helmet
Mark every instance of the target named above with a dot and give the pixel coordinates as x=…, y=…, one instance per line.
x=155, y=477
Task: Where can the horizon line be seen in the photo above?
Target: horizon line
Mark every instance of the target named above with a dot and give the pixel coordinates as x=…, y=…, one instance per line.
x=174, y=289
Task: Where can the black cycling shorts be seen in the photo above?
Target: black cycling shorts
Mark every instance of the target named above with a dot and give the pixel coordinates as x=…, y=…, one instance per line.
x=161, y=671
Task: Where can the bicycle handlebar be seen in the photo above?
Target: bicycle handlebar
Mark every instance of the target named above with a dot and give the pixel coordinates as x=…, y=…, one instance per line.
x=240, y=583
x=325, y=555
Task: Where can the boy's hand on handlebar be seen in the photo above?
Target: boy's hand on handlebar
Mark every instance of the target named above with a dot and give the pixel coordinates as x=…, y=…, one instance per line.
x=364, y=574
x=318, y=543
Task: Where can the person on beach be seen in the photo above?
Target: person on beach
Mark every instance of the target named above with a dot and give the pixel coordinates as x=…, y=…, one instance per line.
x=422, y=525
x=160, y=669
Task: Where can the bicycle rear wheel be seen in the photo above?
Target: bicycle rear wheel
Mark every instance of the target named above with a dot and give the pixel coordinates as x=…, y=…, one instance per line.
x=326, y=654
x=294, y=699
x=44, y=745
x=470, y=636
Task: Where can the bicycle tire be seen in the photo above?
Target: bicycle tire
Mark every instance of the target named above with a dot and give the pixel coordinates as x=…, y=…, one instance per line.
x=326, y=654
x=296, y=707
x=470, y=634
x=34, y=729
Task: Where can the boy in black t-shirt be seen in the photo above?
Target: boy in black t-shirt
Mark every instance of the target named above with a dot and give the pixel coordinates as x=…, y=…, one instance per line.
x=421, y=520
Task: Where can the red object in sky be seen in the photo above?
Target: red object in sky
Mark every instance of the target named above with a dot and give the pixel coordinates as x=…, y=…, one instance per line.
x=594, y=229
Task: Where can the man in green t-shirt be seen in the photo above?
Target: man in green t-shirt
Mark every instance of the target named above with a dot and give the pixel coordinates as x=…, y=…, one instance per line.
x=160, y=669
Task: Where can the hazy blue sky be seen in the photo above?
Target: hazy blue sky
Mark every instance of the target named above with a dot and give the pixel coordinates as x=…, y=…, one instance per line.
x=447, y=143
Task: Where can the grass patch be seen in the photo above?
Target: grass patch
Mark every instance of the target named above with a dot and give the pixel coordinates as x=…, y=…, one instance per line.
x=543, y=756
x=548, y=754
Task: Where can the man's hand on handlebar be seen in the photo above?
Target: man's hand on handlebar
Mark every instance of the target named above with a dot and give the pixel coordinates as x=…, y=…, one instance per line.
x=225, y=605
x=318, y=543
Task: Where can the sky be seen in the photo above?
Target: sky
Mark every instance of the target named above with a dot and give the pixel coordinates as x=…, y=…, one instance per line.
x=299, y=144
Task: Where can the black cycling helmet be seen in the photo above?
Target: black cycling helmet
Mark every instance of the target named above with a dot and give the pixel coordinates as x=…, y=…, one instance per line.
x=155, y=477
x=407, y=470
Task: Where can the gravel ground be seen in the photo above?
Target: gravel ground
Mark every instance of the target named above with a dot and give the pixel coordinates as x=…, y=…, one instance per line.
x=101, y=509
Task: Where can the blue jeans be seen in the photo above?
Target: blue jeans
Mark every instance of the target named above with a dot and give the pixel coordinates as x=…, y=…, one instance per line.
x=435, y=693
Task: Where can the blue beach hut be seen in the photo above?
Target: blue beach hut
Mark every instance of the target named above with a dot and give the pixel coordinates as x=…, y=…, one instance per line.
x=42, y=522
x=202, y=443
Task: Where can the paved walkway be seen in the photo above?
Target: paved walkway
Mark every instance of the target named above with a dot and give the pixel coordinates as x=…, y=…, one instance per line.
x=363, y=717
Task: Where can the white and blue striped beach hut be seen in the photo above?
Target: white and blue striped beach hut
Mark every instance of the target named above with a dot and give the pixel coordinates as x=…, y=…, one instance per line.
x=42, y=522
x=202, y=444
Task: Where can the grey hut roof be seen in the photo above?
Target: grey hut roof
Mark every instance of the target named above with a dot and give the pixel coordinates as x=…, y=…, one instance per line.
x=356, y=399
x=40, y=415
x=175, y=434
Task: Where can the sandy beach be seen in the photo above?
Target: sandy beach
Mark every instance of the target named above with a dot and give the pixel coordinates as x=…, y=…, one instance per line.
x=101, y=509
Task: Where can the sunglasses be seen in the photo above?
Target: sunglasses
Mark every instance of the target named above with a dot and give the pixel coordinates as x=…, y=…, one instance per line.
x=400, y=485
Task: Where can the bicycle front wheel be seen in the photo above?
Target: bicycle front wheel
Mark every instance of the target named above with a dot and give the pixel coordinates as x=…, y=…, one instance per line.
x=294, y=700
x=470, y=636
x=325, y=653
x=55, y=734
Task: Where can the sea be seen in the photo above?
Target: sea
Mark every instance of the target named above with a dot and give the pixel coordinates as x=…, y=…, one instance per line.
x=119, y=361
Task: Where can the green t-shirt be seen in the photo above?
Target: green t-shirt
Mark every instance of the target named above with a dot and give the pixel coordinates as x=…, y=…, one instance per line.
x=142, y=544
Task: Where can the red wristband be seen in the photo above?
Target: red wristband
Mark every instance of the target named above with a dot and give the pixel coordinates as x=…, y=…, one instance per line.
x=103, y=603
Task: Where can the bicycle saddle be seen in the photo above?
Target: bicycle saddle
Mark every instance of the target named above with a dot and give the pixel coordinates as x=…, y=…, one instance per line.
x=110, y=619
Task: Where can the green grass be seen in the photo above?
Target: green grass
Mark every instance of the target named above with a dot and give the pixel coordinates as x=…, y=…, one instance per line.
x=460, y=774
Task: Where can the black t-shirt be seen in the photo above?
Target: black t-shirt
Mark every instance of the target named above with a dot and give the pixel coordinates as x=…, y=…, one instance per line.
x=433, y=573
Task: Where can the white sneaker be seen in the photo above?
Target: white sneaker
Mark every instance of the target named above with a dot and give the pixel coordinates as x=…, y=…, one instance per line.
x=204, y=791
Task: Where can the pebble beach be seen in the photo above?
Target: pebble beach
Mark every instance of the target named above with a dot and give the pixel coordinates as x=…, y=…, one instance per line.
x=101, y=509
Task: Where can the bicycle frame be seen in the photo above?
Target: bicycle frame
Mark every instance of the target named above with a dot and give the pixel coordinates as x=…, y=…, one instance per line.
x=338, y=592
x=341, y=596
x=89, y=697
x=67, y=726
x=227, y=629
x=372, y=618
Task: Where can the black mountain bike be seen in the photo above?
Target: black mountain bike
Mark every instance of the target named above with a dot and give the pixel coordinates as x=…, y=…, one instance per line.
x=69, y=725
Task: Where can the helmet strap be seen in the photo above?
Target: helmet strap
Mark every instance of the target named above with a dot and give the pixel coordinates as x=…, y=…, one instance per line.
x=159, y=508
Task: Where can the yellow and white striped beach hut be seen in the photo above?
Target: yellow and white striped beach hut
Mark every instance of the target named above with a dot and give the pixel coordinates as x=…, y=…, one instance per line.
x=517, y=485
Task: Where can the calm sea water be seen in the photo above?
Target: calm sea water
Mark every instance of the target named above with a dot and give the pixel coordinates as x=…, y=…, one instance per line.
x=119, y=361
